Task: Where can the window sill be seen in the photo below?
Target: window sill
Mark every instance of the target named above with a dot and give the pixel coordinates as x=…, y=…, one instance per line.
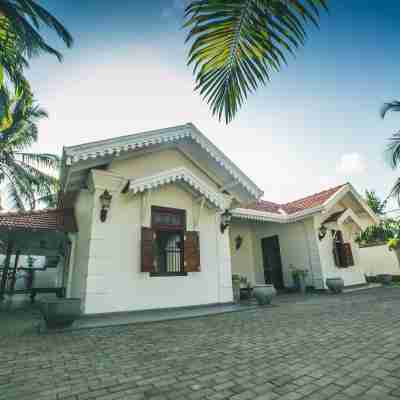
x=168, y=274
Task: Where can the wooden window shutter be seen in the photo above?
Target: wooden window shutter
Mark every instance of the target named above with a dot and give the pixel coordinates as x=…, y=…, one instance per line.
x=338, y=250
x=336, y=254
x=192, y=252
x=148, y=245
x=348, y=255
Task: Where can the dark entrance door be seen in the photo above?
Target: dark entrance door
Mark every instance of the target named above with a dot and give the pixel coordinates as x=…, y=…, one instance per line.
x=272, y=261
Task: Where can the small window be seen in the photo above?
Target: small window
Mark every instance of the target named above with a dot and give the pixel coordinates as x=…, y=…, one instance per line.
x=169, y=226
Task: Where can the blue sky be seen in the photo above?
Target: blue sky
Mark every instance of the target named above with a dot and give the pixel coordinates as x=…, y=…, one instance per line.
x=315, y=125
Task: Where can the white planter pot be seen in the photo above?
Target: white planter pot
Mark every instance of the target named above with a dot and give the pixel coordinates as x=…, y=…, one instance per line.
x=264, y=294
x=335, y=285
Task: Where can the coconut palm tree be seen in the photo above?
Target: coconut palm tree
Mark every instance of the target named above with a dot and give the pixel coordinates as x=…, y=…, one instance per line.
x=24, y=177
x=394, y=145
x=237, y=44
x=20, y=22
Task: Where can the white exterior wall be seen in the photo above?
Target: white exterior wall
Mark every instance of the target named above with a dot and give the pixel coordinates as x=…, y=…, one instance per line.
x=106, y=264
x=79, y=261
x=352, y=275
x=377, y=260
x=297, y=249
x=115, y=282
x=243, y=259
x=297, y=244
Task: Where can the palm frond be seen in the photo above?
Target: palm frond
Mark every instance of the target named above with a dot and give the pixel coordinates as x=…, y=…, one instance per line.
x=392, y=106
x=49, y=201
x=236, y=44
x=393, y=150
x=22, y=186
x=41, y=160
x=13, y=198
x=20, y=38
x=395, y=192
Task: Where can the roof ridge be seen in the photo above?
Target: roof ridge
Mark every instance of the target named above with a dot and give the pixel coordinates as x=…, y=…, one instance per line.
x=127, y=136
x=316, y=194
x=303, y=203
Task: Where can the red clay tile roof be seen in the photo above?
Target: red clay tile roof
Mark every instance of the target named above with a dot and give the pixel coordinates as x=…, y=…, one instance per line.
x=305, y=203
x=263, y=205
x=43, y=220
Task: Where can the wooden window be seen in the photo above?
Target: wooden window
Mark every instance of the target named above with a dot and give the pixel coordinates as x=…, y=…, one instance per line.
x=342, y=253
x=148, y=245
x=167, y=248
x=348, y=255
x=192, y=252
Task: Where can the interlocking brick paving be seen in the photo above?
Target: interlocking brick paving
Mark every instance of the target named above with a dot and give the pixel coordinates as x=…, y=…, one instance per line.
x=322, y=347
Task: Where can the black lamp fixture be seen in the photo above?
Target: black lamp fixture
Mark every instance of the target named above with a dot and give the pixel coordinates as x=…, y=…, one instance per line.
x=322, y=232
x=226, y=217
x=238, y=242
x=105, y=202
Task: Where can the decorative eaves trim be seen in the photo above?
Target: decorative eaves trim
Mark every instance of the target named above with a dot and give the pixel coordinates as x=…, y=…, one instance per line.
x=255, y=215
x=177, y=175
x=348, y=188
x=116, y=146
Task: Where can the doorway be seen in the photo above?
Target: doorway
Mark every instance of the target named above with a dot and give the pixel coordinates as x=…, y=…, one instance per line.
x=272, y=262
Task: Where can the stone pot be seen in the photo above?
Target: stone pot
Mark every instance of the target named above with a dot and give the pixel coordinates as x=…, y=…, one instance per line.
x=335, y=285
x=385, y=279
x=264, y=294
x=60, y=313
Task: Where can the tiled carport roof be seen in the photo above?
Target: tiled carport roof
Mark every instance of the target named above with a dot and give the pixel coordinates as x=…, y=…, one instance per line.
x=292, y=207
x=62, y=220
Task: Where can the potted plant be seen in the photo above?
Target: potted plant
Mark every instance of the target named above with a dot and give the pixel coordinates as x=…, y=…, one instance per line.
x=60, y=313
x=299, y=278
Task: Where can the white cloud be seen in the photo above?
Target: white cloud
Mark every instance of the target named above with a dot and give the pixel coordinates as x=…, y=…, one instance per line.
x=351, y=164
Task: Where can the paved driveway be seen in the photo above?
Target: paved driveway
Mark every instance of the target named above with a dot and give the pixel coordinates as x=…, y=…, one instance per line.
x=325, y=347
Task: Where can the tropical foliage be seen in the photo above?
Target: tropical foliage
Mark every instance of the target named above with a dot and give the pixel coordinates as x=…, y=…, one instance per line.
x=26, y=178
x=237, y=44
x=20, y=38
x=377, y=234
x=394, y=145
x=375, y=203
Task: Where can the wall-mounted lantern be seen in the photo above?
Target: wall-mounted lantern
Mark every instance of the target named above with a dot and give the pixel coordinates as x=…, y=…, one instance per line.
x=225, y=220
x=322, y=232
x=238, y=242
x=105, y=202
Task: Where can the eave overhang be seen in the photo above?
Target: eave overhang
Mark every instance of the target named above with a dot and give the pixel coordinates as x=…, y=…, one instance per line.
x=77, y=160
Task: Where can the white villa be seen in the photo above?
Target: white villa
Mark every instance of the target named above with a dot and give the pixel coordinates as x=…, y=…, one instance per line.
x=164, y=219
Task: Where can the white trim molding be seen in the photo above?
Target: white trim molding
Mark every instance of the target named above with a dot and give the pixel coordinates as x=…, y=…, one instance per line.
x=175, y=175
x=123, y=144
x=348, y=188
x=262, y=216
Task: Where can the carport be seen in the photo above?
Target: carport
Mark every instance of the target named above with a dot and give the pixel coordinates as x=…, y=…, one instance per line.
x=36, y=233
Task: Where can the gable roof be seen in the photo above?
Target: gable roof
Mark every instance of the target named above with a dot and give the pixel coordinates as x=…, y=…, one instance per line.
x=296, y=210
x=62, y=220
x=77, y=160
x=314, y=200
x=292, y=207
